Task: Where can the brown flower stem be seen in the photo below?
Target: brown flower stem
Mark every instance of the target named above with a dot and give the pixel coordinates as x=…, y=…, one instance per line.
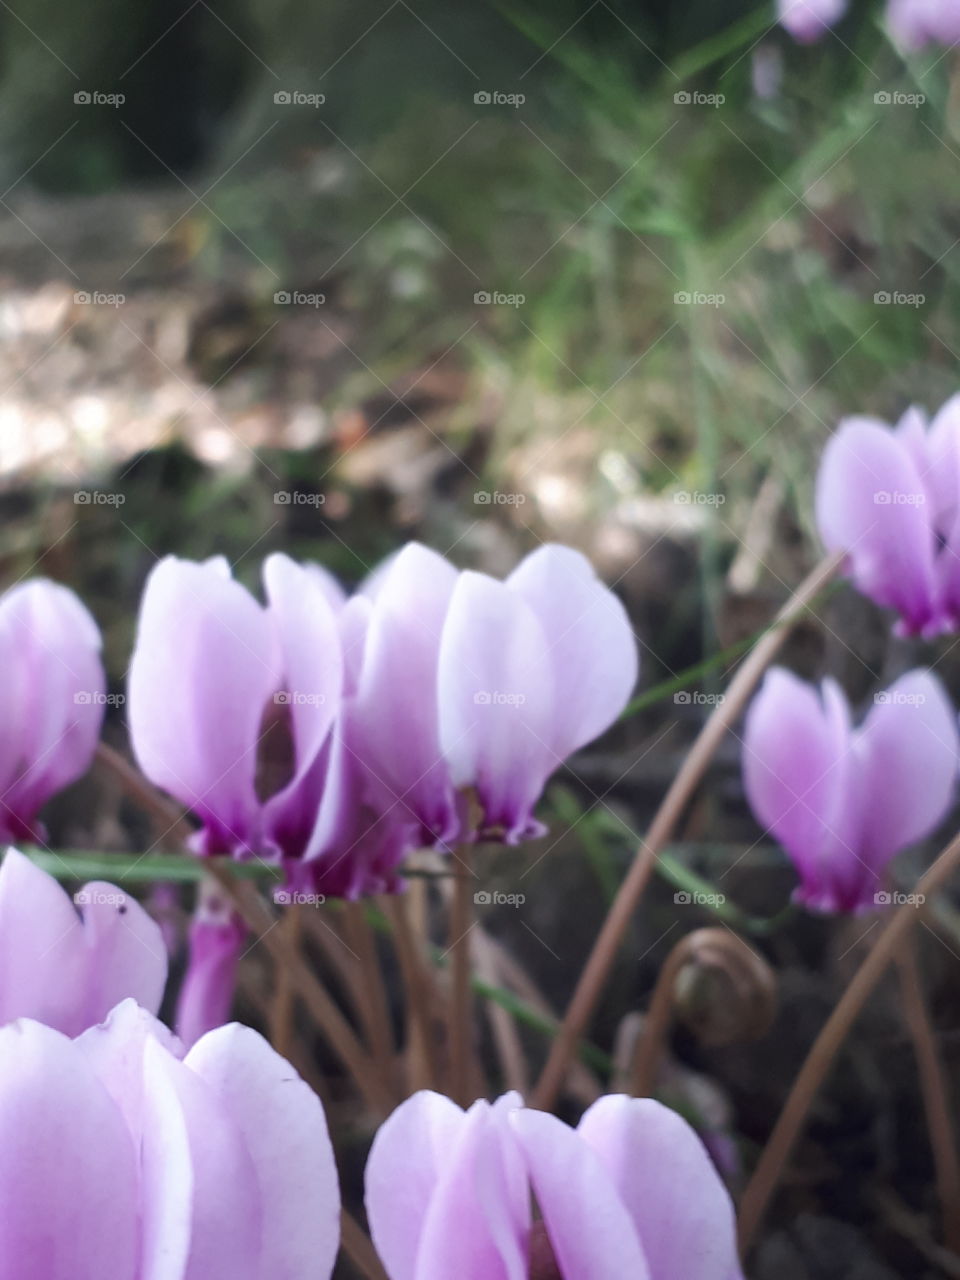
x=283, y=1002
x=340, y=1035
x=374, y=1008
x=513, y=1062
x=777, y=1151
x=461, y=992
x=656, y=1026
x=418, y=990
x=933, y=1086
x=602, y=958
x=356, y=1244
x=174, y=828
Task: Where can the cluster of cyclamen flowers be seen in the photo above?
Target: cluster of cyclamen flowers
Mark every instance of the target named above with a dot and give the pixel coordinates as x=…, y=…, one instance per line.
x=844, y=801
x=126, y=1155
x=428, y=709
x=912, y=23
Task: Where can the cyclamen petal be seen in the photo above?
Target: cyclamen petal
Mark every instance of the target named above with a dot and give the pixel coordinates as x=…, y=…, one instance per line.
x=873, y=503
x=51, y=699
x=808, y=20
x=497, y=702
x=448, y=1193
x=217, y=939
x=205, y=663
x=914, y=23
x=68, y=968
x=844, y=801
x=236, y=1178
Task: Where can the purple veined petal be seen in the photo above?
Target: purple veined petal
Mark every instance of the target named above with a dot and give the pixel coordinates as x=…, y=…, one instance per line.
x=592, y=1234
x=68, y=1173
x=115, y=1047
x=799, y=777
x=334, y=593
x=592, y=649
x=204, y=666
x=68, y=972
x=395, y=709
x=284, y=1129
x=123, y=954
x=53, y=699
x=308, y=637
x=407, y=1159
x=354, y=623
x=872, y=504
x=197, y=1171
x=217, y=939
x=661, y=1172
x=40, y=942
x=497, y=703
x=908, y=750
x=474, y=1228
x=808, y=20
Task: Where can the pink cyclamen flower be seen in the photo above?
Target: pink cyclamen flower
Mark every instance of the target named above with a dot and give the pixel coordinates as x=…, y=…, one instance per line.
x=914, y=23
x=843, y=801
x=210, y=664
x=217, y=939
x=471, y=684
x=213, y=673
x=890, y=499
x=123, y=1157
x=630, y=1193
x=67, y=963
x=52, y=695
x=807, y=20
